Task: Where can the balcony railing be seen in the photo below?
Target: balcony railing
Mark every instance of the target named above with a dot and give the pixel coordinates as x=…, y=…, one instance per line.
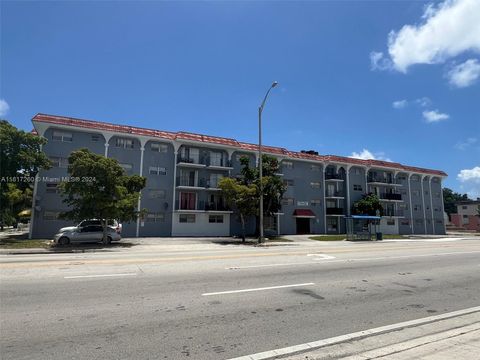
x=393, y=213
x=381, y=180
x=216, y=207
x=334, y=211
x=201, y=182
x=201, y=206
x=191, y=160
x=329, y=176
x=222, y=163
x=335, y=194
x=388, y=196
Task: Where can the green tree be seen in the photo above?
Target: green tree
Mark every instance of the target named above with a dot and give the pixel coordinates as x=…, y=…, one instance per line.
x=20, y=160
x=241, y=198
x=450, y=198
x=273, y=187
x=99, y=188
x=369, y=204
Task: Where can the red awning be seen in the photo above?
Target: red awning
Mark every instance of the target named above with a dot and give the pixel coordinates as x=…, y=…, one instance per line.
x=303, y=213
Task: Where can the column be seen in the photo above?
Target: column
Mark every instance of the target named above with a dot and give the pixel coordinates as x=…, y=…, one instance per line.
x=324, y=201
x=431, y=204
x=348, y=190
x=423, y=205
x=410, y=203
x=142, y=149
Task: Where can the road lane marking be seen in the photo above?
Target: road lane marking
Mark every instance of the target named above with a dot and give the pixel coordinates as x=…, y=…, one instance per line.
x=354, y=336
x=98, y=276
x=335, y=260
x=13, y=265
x=256, y=289
x=321, y=256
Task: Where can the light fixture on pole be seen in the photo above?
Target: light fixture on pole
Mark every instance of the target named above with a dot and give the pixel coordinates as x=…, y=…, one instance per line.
x=260, y=109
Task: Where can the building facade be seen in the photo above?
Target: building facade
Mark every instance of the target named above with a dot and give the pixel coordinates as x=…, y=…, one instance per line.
x=183, y=169
x=467, y=216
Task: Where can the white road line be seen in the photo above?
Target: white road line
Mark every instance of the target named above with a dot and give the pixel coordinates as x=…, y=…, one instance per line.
x=256, y=289
x=353, y=336
x=98, y=276
x=321, y=256
x=352, y=260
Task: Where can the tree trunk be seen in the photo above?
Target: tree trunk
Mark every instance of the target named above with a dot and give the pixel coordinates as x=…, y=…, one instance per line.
x=242, y=218
x=104, y=226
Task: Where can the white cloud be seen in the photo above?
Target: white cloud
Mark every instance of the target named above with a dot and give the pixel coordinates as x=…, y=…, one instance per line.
x=4, y=107
x=424, y=101
x=400, y=104
x=379, y=62
x=434, y=116
x=368, y=155
x=446, y=30
x=465, y=74
x=470, y=175
x=463, y=145
x=470, y=179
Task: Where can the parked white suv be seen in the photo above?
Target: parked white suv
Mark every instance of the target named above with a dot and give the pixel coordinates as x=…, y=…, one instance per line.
x=88, y=231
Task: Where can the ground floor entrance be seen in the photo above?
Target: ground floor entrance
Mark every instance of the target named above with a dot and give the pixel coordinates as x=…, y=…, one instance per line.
x=303, y=226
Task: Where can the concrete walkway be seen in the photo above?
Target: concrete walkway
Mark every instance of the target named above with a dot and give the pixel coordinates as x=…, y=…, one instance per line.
x=453, y=338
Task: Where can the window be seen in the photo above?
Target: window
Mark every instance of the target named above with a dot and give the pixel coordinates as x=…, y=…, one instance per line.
x=156, y=170
x=331, y=204
x=391, y=222
x=62, y=136
x=357, y=171
x=436, y=209
x=51, y=215
x=404, y=222
x=403, y=206
x=95, y=137
x=464, y=207
x=215, y=158
x=426, y=192
x=59, y=162
x=357, y=187
x=124, y=143
x=315, y=168
x=288, y=182
x=331, y=224
x=439, y=222
x=415, y=178
x=52, y=188
x=417, y=207
x=155, y=217
x=287, y=165
x=315, y=185
x=315, y=202
x=127, y=167
x=214, y=180
x=190, y=155
x=287, y=201
x=187, y=201
x=157, y=147
x=187, y=218
x=402, y=177
x=215, y=219
x=403, y=191
x=156, y=194
x=418, y=221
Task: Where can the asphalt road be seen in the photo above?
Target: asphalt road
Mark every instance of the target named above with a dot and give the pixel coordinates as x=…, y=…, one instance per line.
x=222, y=302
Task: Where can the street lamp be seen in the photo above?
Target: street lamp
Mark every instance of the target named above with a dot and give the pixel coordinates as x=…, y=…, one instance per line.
x=260, y=109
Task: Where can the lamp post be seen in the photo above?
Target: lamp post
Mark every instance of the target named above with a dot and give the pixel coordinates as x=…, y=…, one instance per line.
x=260, y=109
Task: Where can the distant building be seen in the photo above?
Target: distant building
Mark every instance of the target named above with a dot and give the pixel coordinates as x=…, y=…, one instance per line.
x=183, y=170
x=467, y=216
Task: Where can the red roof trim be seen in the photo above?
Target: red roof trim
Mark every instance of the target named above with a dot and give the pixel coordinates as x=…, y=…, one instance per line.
x=181, y=135
x=303, y=213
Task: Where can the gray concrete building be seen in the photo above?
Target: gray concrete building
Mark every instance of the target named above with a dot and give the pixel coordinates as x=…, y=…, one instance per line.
x=183, y=170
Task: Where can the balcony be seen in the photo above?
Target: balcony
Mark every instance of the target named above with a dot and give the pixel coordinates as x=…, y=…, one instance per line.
x=188, y=208
x=335, y=195
x=222, y=164
x=334, y=211
x=191, y=162
x=382, y=181
x=217, y=207
x=187, y=183
x=391, y=197
x=333, y=177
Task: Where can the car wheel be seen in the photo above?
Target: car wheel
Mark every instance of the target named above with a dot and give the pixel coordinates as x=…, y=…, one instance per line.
x=108, y=241
x=63, y=241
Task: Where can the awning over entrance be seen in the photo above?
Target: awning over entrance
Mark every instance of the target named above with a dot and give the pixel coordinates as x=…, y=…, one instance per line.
x=304, y=213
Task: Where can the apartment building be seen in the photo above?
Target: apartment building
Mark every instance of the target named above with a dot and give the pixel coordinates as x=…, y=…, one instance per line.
x=467, y=216
x=183, y=170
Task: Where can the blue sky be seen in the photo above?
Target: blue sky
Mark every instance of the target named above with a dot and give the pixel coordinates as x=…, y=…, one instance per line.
x=347, y=87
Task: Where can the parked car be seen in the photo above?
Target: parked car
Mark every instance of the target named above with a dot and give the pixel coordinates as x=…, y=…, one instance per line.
x=88, y=233
x=113, y=224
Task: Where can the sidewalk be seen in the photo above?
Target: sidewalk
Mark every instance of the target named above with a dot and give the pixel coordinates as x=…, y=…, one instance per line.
x=453, y=338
